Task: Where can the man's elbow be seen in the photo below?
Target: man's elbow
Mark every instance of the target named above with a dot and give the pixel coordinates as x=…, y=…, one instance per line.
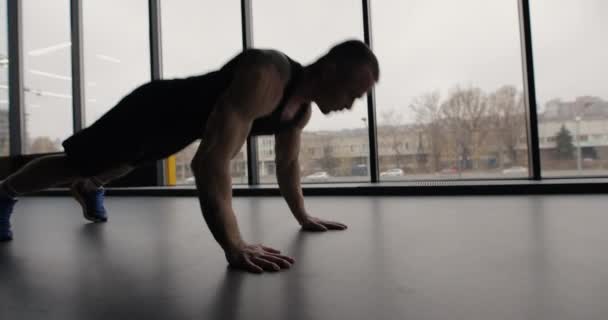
x=200, y=169
x=286, y=166
x=209, y=169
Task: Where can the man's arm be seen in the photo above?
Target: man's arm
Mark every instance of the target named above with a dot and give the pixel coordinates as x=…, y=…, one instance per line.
x=287, y=149
x=253, y=93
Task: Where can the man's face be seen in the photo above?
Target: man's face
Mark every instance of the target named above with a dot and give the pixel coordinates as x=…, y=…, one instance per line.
x=340, y=89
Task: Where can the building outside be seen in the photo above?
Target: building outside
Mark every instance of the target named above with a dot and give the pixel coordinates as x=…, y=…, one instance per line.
x=409, y=147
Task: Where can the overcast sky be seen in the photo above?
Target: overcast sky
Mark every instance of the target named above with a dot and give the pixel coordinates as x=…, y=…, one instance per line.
x=422, y=45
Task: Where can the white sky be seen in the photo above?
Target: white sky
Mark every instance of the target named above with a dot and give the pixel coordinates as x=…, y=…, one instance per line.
x=422, y=45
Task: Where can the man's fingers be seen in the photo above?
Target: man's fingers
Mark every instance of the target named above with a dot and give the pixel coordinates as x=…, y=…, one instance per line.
x=334, y=225
x=276, y=253
x=252, y=267
x=315, y=227
x=284, y=263
x=321, y=227
x=267, y=265
x=268, y=249
x=290, y=259
x=280, y=256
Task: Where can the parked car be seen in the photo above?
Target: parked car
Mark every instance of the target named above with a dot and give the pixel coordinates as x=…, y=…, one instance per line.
x=317, y=176
x=396, y=172
x=449, y=171
x=588, y=161
x=359, y=170
x=515, y=170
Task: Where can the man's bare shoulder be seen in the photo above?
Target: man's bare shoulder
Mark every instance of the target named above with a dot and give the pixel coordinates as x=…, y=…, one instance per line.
x=266, y=58
x=258, y=83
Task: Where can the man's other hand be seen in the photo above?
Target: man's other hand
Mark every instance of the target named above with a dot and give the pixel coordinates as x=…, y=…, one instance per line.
x=319, y=225
x=258, y=258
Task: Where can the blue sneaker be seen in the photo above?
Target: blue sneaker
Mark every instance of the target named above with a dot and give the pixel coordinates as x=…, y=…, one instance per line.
x=91, y=202
x=6, y=208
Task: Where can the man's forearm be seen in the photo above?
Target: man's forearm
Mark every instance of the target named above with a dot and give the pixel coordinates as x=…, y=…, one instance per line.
x=215, y=196
x=288, y=176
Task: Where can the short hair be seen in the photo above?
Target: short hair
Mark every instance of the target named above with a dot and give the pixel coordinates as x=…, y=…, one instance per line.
x=354, y=52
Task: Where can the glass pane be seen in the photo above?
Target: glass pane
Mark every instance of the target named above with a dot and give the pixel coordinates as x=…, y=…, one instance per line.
x=116, y=52
x=4, y=129
x=46, y=75
x=571, y=89
x=449, y=100
x=335, y=147
x=183, y=57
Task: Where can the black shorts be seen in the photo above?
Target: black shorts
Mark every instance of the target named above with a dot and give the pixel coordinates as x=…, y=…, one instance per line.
x=153, y=122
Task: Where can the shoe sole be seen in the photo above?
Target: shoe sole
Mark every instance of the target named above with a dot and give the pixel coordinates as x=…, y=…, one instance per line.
x=80, y=200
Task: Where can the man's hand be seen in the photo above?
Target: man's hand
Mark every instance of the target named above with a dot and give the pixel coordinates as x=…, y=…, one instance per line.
x=319, y=225
x=258, y=258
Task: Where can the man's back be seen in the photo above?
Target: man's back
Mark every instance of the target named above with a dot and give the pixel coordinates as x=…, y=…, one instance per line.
x=164, y=116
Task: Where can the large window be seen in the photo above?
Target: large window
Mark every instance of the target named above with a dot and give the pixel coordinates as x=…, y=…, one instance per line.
x=192, y=46
x=46, y=74
x=449, y=103
x=116, y=52
x=4, y=129
x=335, y=147
x=570, y=58
x=449, y=100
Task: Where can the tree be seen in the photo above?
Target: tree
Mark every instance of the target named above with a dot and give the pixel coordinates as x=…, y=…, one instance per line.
x=428, y=116
x=508, y=119
x=391, y=132
x=328, y=162
x=44, y=145
x=465, y=113
x=564, y=148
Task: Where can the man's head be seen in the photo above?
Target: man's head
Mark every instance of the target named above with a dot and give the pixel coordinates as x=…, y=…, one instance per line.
x=344, y=74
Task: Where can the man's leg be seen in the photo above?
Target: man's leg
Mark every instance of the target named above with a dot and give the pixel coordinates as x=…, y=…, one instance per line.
x=105, y=177
x=39, y=174
x=89, y=192
x=112, y=174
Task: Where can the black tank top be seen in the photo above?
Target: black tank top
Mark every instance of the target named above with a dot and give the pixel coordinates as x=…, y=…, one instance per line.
x=162, y=117
x=171, y=114
x=207, y=89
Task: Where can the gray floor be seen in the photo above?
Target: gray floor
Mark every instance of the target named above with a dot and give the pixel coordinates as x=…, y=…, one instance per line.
x=489, y=258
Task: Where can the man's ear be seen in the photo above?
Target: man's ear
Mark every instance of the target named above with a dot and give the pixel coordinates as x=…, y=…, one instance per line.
x=328, y=70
